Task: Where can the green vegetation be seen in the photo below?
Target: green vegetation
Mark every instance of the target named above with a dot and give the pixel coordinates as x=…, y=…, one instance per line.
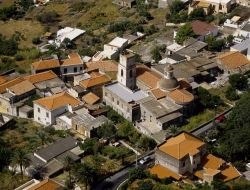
x=208, y=100
x=8, y=46
x=238, y=81
x=234, y=143
x=214, y=44
x=47, y=17
x=231, y=94
x=15, y=10
x=156, y=55
x=184, y=33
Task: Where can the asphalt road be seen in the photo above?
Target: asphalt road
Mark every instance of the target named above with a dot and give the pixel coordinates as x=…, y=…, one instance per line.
x=113, y=182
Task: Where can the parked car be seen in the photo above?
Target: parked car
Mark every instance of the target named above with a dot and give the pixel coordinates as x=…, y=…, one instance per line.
x=144, y=160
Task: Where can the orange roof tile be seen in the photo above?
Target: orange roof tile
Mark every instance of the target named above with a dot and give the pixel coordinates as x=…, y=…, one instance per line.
x=181, y=145
x=10, y=83
x=90, y=98
x=74, y=59
x=207, y=171
x=211, y=161
x=22, y=87
x=46, y=64
x=46, y=184
x=163, y=172
x=233, y=59
x=202, y=28
x=57, y=101
x=2, y=79
x=184, y=84
x=149, y=79
x=158, y=93
x=95, y=81
x=47, y=75
x=181, y=96
x=230, y=173
x=107, y=66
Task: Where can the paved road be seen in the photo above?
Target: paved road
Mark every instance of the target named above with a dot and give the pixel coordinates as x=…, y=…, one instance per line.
x=204, y=128
x=115, y=180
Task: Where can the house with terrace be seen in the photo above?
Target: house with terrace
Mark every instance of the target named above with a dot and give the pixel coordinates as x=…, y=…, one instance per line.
x=184, y=156
x=203, y=29
x=233, y=62
x=46, y=65
x=243, y=47
x=212, y=6
x=47, y=109
x=71, y=66
x=111, y=50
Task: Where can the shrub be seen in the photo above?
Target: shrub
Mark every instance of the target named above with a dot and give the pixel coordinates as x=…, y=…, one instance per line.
x=47, y=17
x=36, y=40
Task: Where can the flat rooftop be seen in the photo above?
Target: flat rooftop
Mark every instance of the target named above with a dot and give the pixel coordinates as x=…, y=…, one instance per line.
x=246, y=27
x=125, y=93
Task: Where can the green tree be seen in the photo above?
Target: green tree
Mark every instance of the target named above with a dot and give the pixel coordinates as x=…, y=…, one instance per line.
x=5, y=155
x=88, y=145
x=20, y=159
x=238, y=81
x=137, y=173
x=214, y=44
x=156, y=55
x=147, y=143
x=85, y=174
x=184, y=33
x=125, y=129
x=68, y=167
x=231, y=94
x=107, y=130
x=207, y=99
x=235, y=142
x=197, y=14
x=176, y=6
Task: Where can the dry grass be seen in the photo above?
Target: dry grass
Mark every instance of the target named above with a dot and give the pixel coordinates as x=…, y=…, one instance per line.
x=103, y=13
x=5, y=3
x=28, y=30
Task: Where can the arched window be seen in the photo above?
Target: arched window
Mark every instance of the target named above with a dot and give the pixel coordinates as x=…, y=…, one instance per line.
x=122, y=72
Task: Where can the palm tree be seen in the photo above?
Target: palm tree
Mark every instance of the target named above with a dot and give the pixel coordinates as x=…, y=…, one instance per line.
x=68, y=166
x=42, y=137
x=85, y=174
x=21, y=159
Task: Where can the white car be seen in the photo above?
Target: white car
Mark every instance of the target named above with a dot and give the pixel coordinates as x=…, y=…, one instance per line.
x=144, y=160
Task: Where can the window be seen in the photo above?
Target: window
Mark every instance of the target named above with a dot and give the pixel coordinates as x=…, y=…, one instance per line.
x=130, y=73
x=38, y=109
x=75, y=69
x=47, y=114
x=183, y=164
x=39, y=119
x=122, y=72
x=65, y=70
x=80, y=68
x=118, y=102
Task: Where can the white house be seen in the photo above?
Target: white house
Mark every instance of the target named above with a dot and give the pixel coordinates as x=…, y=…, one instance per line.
x=47, y=109
x=112, y=49
x=71, y=66
x=68, y=32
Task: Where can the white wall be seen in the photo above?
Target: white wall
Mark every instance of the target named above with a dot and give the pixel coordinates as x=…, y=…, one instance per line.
x=50, y=118
x=70, y=69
